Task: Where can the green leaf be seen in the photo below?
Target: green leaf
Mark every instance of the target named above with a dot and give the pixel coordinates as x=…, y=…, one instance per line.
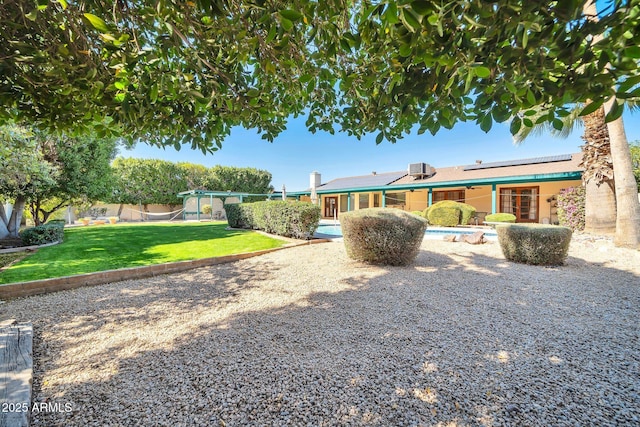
x=557, y=124
x=486, y=123
x=153, y=94
x=405, y=50
x=421, y=7
x=253, y=93
x=196, y=94
x=391, y=14
x=272, y=34
x=97, y=22
x=286, y=24
x=33, y=15
x=531, y=97
x=615, y=112
x=409, y=21
x=515, y=126
x=591, y=107
x=63, y=3
x=291, y=15
x=120, y=84
x=482, y=72
x=632, y=52
x=433, y=19
x=379, y=138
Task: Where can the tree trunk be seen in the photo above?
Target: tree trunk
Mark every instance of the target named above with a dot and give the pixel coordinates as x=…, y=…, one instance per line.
x=600, y=208
x=4, y=222
x=628, y=208
x=600, y=197
x=16, y=217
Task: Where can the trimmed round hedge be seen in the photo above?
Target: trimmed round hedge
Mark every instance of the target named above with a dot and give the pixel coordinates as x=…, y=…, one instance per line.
x=449, y=213
x=500, y=217
x=534, y=244
x=382, y=236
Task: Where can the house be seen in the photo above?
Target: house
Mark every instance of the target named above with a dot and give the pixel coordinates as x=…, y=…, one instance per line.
x=526, y=188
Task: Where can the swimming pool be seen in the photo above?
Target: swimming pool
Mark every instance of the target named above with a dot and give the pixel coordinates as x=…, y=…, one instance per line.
x=432, y=232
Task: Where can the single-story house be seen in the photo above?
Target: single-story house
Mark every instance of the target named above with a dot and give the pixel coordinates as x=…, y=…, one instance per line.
x=526, y=188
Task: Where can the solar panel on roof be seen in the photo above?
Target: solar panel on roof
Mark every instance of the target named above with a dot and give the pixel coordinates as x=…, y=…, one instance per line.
x=521, y=162
x=362, y=181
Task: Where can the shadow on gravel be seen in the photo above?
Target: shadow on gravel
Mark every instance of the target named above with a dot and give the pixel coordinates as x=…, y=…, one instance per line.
x=452, y=340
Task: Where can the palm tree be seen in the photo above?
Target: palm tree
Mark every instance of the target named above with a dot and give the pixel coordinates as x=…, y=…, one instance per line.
x=600, y=202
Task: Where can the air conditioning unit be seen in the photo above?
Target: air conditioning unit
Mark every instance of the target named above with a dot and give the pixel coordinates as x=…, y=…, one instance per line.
x=420, y=169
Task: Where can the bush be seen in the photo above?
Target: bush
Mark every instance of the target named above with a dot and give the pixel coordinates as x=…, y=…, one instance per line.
x=43, y=234
x=419, y=213
x=446, y=218
x=500, y=217
x=571, y=208
x=206, y=209
x=534, y=244
x=58, y=222
x=382, y=236
x=284, y=218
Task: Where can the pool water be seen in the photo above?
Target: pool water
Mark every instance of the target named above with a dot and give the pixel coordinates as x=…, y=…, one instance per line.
x=336, y=231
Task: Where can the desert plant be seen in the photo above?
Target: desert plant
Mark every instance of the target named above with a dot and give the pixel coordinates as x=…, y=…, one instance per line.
x=285, y=218
x=571, y=207
x=42, y=234
x=442, y=214
x=382, y=236
x=500, y=217
x=534, y=244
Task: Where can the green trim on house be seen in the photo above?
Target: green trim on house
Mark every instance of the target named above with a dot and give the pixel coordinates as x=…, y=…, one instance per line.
x=484, y=181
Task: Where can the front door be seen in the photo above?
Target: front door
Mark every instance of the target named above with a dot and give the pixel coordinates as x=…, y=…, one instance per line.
x=330, y=207
x=522, y=202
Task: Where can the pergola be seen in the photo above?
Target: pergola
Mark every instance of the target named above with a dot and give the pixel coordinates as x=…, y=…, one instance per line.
x=223, y=195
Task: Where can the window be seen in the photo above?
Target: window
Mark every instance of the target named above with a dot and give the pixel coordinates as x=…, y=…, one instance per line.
x=376, y=200
x=363, y=200
x=396, y=199
x=455, y=195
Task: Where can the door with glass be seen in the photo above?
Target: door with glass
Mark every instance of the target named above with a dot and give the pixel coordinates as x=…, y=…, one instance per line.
x=521, y=202
x=330, y=206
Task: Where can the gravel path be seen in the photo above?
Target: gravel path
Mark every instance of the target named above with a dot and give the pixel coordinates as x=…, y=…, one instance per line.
x=305, y=336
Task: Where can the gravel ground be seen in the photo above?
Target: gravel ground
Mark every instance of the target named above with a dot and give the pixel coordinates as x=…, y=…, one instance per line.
x=305, y=336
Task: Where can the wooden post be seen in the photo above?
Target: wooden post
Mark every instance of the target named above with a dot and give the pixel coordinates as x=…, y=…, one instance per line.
x=16, y=371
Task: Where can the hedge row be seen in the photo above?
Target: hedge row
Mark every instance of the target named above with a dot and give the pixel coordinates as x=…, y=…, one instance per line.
x=50, y=232
x=298, y=220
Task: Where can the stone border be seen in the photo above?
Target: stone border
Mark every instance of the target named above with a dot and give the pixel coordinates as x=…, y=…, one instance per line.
x=28, y=248
x=37, y=287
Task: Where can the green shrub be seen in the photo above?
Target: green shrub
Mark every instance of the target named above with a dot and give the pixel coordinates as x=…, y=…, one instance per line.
x=382, y=236
x=206, y=209
x=446, y=218
x=500, y=217
x=42, y=234
x=58, y=222
x=419, y=213
x=534, y=244
x=571, y=210
x=284, y=218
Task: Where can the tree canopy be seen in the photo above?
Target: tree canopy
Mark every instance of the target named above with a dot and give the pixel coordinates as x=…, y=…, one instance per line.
x=174, y=72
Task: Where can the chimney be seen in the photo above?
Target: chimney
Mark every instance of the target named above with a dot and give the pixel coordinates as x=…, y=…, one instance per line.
x=478, y=162
x=374, y=173
x=314, y=182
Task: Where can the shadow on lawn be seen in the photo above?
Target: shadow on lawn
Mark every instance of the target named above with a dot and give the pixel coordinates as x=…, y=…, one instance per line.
x=463, y=339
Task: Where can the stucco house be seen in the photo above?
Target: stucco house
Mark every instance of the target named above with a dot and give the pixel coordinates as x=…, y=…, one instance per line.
x=526, y=188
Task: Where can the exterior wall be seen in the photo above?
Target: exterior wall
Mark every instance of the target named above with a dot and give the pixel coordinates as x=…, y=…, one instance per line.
x=478, y=196
x=132, y=212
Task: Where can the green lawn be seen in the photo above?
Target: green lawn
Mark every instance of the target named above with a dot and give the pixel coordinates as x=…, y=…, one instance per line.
x=108, y=247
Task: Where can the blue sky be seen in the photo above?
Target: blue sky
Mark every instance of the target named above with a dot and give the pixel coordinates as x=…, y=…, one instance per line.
x=297, y=152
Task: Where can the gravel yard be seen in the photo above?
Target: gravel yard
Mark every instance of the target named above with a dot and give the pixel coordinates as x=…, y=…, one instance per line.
x=304, y=336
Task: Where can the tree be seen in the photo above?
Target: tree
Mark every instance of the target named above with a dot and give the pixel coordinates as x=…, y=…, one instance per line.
x=176, y=72
x=23, y=171
x=84, y=172
x=242, y=180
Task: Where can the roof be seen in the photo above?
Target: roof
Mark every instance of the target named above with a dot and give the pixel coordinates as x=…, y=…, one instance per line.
x=539, y=166
x=373, y=180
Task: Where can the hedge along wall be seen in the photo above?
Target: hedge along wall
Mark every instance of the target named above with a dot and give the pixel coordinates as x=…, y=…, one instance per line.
x=298, y=220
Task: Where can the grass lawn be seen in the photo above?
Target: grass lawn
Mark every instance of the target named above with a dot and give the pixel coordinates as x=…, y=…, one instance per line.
x=110, y=247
